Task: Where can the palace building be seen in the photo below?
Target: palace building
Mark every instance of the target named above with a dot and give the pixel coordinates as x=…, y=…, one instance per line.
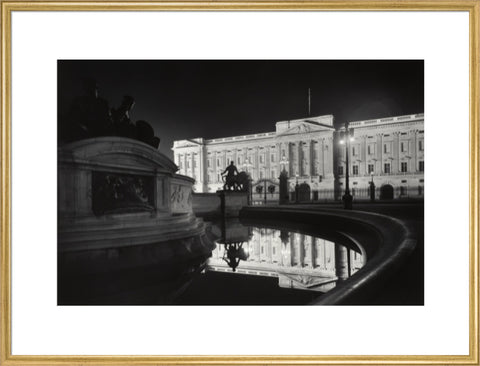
x=388, y=152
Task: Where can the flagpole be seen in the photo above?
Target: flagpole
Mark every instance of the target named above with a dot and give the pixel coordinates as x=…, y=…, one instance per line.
x=308, y=102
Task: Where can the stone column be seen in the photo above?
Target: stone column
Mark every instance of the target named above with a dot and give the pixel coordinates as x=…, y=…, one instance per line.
x=290, y=156
x=280, y=146
x=270, y=249
x=413, y=141
x=308, y=159
x=292, y=250
x=301, y=251
x=341, y=262
x=363, y=156
x=396, y=150
x=256, y=248
x=299, y=157
x=321, y=157
x=328, y=153
x=313, y=252
x=380, y=153
x=309, y=251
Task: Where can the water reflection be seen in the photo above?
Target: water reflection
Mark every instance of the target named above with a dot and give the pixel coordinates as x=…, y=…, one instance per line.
x=298, y=261
x=275, y=264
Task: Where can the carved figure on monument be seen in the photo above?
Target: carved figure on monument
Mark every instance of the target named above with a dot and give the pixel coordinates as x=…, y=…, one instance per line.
x=120, y=193
x=88, y=116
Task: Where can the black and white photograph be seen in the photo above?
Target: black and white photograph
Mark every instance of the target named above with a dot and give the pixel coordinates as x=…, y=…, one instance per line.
x=240, y=182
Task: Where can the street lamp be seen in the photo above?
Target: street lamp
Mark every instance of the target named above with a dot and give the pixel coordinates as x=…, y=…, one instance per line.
x=283, y=182
x=346, y=139
x=265, y=186
x=247, y=165
x=372, y=189
x=296, y=187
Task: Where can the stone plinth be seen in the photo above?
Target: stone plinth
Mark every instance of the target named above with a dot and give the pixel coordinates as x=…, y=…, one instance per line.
x=115, y=191
x=231, y=202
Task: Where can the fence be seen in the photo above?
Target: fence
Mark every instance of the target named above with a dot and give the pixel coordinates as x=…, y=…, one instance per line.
x=384, y=193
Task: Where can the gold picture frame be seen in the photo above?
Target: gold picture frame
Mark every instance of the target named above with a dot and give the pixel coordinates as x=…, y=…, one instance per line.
x=470, y=6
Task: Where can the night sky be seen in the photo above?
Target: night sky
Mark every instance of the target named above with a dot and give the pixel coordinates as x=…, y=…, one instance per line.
x=187, y=99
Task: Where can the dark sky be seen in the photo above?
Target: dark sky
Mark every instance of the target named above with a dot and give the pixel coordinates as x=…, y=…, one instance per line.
x=186, y=99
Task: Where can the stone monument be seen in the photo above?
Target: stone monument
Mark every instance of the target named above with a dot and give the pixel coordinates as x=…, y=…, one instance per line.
x=116, y=191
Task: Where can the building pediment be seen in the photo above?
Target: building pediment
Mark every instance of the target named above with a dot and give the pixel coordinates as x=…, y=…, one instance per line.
x=188, y=143
x=303, y=128
x=305, y=125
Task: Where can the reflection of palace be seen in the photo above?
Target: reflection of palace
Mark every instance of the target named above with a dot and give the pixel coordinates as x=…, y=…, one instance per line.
x=298, y=260
x=387, y=150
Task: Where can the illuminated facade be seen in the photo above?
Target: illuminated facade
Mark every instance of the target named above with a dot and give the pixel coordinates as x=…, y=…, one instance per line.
x=389, y=151
x=297, y=260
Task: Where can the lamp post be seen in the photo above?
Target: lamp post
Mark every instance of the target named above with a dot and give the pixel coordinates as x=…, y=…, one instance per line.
x=247, y=165
x=296, y=187
x=265, y=186
x=347, y=138
x=372, y=189
x=283, y=183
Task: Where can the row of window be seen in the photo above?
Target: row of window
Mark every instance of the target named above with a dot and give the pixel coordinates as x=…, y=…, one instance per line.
x=240, y=161
x=386, y=168
x=212, y=178
x=355, y=152
x=387, y=148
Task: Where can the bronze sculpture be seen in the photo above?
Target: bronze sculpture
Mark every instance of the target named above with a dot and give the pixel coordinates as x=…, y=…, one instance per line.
x=90, y=116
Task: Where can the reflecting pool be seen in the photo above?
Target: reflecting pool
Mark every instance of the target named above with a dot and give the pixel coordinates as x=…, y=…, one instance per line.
x=234, y=264
x=298, y=261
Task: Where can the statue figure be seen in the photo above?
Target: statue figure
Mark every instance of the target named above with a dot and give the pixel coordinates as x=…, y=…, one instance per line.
x=121, y=118
x=146, y=134
x=88, y=116
x=141, y=130
x=230, y=182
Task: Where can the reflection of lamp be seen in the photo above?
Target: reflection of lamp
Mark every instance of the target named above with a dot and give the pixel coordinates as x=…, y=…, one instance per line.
x=372, y=189
x=347, y=137
x=247, y=165
x=296, y=188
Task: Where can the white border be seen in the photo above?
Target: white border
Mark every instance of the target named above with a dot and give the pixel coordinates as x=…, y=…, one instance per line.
x=41, y=327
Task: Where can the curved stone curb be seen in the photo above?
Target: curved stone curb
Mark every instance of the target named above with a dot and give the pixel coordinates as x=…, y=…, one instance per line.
x=392, y=243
